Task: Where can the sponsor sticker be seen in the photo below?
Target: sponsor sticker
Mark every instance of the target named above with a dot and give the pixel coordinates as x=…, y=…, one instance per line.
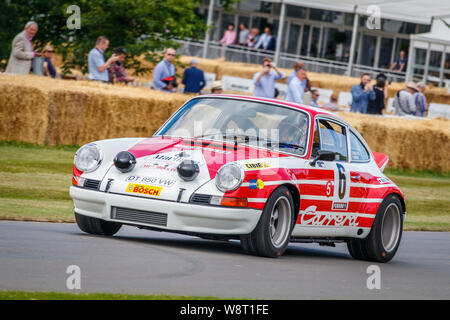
x=162, y=182
x=256, y=165
x=143, y=189
x=256, y=184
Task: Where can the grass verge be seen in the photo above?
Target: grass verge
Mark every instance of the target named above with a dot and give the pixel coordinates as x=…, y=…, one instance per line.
x=35, y=181
x=26, y=295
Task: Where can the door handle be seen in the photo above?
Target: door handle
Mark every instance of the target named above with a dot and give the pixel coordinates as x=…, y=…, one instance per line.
x=356, y=177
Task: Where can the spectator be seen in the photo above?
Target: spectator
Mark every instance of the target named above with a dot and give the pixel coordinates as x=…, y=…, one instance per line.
x=361, y=94
x=314, y=98
x=420, y=100
x=229, y=38
x=252, y=38
x=96, y=61
x=296, y=89
x=400, y=64
x=193, y=78
x=164, y=69
x=243, y=34
x=376, y=106
x=49, y=69
x=298, y=65
x=333, y=104
x=216, y=87
x=264, y=81
x=404, y=103
x=266, y=40
x=251, y=42
x=22, y=53
x=116, y=71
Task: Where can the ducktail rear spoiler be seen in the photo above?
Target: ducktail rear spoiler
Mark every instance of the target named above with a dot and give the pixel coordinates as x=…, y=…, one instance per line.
x=381, y=159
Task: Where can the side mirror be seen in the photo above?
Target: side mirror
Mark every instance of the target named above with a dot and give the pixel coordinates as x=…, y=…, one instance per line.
x=323, y=155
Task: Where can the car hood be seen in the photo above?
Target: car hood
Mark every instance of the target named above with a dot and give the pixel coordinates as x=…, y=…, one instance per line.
x=157, y=158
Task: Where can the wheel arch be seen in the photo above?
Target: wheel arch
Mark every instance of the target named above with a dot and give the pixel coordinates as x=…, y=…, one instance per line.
x=295, y=198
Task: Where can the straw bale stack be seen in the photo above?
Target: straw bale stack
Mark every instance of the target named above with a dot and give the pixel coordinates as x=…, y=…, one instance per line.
x=58, y=112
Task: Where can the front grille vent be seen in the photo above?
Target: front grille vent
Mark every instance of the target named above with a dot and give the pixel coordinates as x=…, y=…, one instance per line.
x=92, y=184
x=140, y=216
x=200, y=198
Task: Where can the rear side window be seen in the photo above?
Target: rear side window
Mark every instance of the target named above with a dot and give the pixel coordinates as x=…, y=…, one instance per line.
x=359, y=151
x=333, y=137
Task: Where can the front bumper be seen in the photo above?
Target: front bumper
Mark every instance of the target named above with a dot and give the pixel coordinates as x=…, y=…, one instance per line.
x=183, y=217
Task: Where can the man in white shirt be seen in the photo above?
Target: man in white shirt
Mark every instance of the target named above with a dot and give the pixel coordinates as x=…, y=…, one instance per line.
x=296, y=90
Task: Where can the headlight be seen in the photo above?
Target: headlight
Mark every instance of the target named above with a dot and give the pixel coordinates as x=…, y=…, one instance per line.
x=229, y=177
x=88, y=158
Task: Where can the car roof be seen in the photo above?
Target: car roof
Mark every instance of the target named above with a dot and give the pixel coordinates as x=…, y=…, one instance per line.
x=313, y=111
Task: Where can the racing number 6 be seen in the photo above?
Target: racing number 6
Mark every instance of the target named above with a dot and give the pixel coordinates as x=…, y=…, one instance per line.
x=342, y=181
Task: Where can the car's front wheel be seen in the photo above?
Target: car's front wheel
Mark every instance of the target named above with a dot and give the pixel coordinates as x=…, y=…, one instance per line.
x=384, y=239
x=273, y=231
x=96, y=226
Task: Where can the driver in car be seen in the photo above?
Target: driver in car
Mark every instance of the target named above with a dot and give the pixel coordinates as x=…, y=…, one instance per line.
x=291, y=135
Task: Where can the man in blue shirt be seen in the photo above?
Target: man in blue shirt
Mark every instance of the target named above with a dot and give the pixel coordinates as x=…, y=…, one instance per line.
x=193, y=78
x=266, y=41
x=296, y=89
x=264, y=81
x=361, y=94
x=164, y=69
x=98, y=68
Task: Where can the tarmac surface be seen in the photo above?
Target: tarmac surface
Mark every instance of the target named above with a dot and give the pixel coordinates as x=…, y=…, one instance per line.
x=36, y=256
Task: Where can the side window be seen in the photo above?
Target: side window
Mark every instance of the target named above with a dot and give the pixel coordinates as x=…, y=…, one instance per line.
x=316, y=143
x=359, y=151
x=333, y=137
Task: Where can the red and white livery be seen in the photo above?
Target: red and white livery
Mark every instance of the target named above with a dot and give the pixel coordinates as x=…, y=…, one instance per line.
x=263, y=171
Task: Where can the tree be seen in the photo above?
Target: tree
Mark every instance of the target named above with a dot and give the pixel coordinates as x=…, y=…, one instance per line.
x=143, y=27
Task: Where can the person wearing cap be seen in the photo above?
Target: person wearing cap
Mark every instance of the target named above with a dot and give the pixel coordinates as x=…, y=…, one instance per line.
x=193, y=78
x=49, y=69
x=164, y=69
x=216, y=87
x=22, y=52
x=404, y=103
x=420, y=100
x=117, y=71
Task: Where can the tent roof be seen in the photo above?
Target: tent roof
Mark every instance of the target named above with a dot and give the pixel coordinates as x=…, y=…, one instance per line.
x=415, y=11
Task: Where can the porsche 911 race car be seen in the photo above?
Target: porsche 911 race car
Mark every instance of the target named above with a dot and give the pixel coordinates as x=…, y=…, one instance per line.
x=265, y=172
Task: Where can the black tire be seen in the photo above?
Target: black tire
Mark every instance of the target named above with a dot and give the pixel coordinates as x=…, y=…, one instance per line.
x=271, y=235
x=378, y=247
x=96, y=226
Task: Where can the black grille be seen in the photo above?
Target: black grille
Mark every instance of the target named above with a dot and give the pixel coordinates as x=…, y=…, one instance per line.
x=92, y=184
x=132, y=215
x=200, y=198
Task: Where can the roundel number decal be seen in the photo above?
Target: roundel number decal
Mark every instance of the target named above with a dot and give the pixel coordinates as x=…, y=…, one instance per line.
x=341, y=195
x=342, y=181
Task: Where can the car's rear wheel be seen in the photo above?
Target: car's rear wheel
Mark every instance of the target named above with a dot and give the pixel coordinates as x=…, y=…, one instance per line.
x=96, y=226
x=273, y=231
x=384, y=239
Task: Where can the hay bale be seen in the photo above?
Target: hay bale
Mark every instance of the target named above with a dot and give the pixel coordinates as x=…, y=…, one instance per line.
x=47, y=111
x=23, y=111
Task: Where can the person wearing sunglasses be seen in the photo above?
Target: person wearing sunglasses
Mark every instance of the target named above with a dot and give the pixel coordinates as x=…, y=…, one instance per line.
x=47, y=54
x=163, y=70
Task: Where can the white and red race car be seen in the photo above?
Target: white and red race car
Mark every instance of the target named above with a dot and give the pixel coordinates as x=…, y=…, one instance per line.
x=263, y=171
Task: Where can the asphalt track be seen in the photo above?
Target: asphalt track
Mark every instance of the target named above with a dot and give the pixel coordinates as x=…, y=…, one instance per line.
x=35, y=257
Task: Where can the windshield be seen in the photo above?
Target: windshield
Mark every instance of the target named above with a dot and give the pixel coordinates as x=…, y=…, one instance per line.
x=253, y=123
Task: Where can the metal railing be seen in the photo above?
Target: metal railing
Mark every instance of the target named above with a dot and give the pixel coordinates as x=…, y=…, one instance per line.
x=236, y=53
